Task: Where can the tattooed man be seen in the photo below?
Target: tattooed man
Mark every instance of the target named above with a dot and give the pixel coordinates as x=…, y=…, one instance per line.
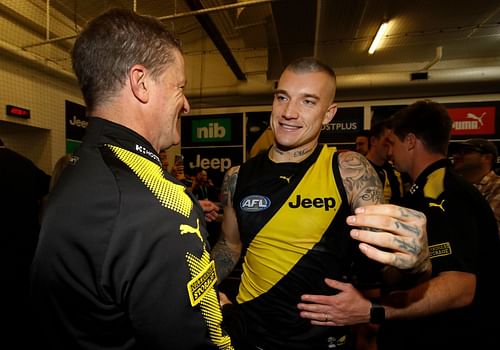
x=287, y=213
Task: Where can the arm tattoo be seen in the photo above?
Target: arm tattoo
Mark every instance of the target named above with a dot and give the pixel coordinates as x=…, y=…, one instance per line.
x=229, y=186
x=225, y=259
x=361, y=182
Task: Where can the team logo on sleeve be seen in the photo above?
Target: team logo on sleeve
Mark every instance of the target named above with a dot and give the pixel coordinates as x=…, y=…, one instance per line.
x=255, y=203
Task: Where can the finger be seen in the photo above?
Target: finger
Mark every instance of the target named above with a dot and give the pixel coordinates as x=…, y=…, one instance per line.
x=380, y=239
x=410, y=228
x=321, y=319
x=311, y=308
x=376, y=254
x=342, y=286
x=316, y=299
x=400, y=260
x=392, y=213
x=211, y=216
x=410, y=243
x=395, y=211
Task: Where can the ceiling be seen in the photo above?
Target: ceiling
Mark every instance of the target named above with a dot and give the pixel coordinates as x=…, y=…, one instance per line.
x=236, y=49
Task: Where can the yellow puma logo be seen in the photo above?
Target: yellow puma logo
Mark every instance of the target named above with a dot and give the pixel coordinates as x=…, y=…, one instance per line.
x=287, y=179
x=190, y=229
x=440, y=206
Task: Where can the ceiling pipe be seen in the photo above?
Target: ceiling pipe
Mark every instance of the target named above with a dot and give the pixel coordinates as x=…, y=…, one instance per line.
x=216, y=8
x=35, y=61
x=437, y=58
x=170, y=17
x=440, y=76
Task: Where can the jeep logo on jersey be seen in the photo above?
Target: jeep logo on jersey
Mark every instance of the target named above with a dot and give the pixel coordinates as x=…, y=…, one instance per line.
x=327, y=202
x=255, y=203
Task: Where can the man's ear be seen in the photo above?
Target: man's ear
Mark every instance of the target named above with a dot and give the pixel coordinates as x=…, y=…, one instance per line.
x=411, y=141
x=138, y=82
x=330, y=113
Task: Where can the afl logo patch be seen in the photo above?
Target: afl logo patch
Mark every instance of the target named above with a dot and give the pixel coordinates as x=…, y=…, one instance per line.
x=255, y=203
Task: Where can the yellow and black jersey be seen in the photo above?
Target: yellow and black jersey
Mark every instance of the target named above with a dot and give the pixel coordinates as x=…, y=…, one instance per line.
x=392, y=183
x=291, y=219
x=462, y=236
x=122, y=261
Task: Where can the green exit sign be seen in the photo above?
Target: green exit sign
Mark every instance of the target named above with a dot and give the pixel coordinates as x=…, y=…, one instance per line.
x=211, y=130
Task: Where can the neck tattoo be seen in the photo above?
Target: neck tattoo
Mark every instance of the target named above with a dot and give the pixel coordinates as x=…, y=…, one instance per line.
x=301, y=152
x=293, y=154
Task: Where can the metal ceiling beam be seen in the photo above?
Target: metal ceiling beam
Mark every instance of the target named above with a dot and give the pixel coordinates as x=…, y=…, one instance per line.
x=168, y=17
x=30, y=25
x=217, y=8
x=217, y=38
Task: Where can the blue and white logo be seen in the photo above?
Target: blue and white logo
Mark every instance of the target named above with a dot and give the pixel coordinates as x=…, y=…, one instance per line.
x=255, y=203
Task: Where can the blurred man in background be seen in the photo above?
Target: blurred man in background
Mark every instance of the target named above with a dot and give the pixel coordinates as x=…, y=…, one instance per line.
x=475, y=160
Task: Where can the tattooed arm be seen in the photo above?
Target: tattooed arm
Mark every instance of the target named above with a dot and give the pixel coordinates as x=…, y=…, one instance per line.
x=227, y=250
x=361, y=182
x=400, y=232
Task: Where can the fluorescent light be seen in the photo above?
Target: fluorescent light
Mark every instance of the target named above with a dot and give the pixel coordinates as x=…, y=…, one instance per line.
x=378, y=38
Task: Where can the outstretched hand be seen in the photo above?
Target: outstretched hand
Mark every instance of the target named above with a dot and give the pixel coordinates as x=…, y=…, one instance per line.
x=347, y=307
x=210, y=209
x=392, y=235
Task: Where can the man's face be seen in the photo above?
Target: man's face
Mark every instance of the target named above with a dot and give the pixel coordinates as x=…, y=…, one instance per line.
x=170, y=102
x=303, y=102
x=398, y=152
x=467, y=160
x=380, y=146
x=361, y=145
x=202, y=177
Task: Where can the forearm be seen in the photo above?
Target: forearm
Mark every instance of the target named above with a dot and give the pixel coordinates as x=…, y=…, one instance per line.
x=445, y=292
x=395, y=278
x=226, y=256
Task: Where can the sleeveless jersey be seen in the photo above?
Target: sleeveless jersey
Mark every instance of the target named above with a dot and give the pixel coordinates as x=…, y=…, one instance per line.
x=292, y=224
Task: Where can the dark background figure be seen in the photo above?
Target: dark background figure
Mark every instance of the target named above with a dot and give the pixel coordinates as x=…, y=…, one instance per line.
x=22, y=188
x=378, y=156
x=362, y=142
x=475, y=160
x=204, y=190
x=202, y=187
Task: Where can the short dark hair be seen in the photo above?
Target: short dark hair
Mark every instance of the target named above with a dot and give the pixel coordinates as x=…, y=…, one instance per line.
x=377, y=128
x=111, y=44
x=363, y=133
x=312, y=65
x=429, y=121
